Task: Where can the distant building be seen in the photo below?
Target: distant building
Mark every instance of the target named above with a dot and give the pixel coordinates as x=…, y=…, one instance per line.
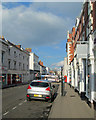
x=34, y=66
x=47, y=70
x=43, y=70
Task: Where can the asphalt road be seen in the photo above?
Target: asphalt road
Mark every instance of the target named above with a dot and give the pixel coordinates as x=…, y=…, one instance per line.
x=15, y=105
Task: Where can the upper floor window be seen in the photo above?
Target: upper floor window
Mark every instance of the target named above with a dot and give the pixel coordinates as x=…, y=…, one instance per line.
x=27, y=67
x=2, y=57
x=23, y=66
x=15, y=65
x=19, y=55
x=19, y=66
x=9, y=64
x=14, y=53
x=9, y=51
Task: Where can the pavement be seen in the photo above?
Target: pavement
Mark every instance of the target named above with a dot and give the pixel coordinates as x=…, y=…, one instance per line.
x=70, y=106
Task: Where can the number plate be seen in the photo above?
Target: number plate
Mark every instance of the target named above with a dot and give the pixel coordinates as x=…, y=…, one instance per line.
x=37, y=95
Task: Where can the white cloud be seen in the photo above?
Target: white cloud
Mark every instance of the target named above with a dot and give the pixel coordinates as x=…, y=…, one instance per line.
x=23, y=25
x=59, y=64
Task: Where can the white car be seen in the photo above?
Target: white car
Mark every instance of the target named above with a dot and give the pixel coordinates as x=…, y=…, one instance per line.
x=40, y=89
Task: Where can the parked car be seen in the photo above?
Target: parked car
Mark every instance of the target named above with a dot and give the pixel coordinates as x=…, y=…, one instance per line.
x=40, y=89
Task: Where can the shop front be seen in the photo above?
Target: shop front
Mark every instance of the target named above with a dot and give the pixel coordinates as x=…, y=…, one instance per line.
x=16, y=78
x=4, y=79
x=9, y=79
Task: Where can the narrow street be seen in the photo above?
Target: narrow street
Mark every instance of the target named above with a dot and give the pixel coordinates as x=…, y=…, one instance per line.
x=15, y=104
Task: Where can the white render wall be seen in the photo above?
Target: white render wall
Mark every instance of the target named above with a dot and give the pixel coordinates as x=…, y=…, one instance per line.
x=4, y=50
x=20, y=57
x=33, y=62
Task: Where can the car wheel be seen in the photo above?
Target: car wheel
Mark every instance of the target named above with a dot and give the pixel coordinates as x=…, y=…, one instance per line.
x=50, y=100
x=28, y=99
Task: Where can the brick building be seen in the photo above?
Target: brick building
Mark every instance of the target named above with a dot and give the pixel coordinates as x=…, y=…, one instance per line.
x=81, y=52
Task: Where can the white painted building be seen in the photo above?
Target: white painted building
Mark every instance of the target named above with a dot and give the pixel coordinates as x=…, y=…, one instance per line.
x=33, y=65
x=82, y=50
x=47, y=70
x=95, y=65
x=65, y=68
x=15, y=63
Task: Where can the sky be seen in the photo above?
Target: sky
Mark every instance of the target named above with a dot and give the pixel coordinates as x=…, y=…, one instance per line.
x=41, y=26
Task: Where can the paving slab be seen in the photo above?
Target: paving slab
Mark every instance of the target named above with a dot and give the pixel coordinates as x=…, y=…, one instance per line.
x=70, y=105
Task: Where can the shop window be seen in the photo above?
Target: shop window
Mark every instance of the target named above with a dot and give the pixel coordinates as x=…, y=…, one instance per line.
x=3, y=79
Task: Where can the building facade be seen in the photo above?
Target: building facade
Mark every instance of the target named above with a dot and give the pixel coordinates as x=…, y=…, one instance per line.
x=34, y=66
x=81, y=52
x=43, y=70
x=65, y=66
x=15, y=63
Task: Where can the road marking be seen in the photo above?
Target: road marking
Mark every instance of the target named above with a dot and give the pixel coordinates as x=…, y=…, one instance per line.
x=14, y=108
x=20, y=103
x=25, y=100
x=6, y=113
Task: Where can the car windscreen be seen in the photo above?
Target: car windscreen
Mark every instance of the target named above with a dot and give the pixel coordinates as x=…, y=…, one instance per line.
x=39, y=84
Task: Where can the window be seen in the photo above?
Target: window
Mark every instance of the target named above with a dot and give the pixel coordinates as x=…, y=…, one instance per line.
x=15, y=65
x=14, y=53
x=19, y=66
x=23, y=66
x=9, y=51
x=39, y=84
x=19, y=55
x=9, y=64
x=2, y=57
x=27, y=67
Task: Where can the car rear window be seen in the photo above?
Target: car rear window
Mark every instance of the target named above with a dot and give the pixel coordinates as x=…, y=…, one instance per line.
x=39, y=84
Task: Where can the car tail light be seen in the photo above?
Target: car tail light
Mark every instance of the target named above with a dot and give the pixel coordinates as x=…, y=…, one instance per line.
x=48, y=89
x=47, y=97
x=29, y=87
x=27, y=95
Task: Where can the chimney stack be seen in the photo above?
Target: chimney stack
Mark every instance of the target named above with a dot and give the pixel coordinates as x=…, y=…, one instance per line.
x=19, y=46
x=28, y=50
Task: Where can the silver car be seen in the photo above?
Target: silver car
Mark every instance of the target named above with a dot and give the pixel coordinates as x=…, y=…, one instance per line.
x=40, y=89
